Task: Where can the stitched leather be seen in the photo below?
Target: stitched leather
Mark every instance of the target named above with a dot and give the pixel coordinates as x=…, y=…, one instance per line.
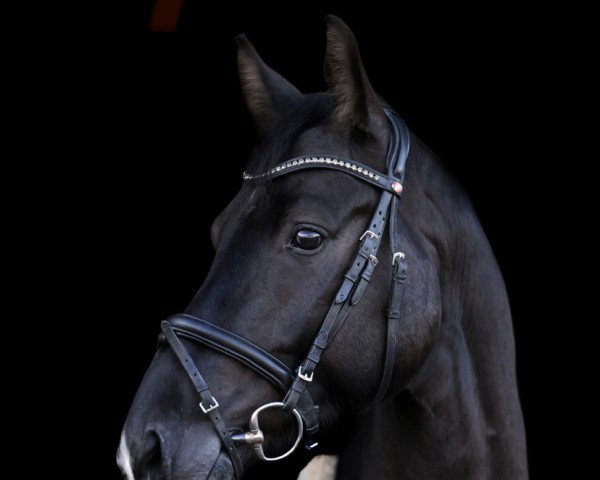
x=393, y=315
x=207, y=399
x=234, y=346
x=251, y=355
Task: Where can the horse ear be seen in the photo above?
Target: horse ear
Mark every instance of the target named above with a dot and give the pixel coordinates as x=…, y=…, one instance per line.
x=265, y=91
x=357, y=104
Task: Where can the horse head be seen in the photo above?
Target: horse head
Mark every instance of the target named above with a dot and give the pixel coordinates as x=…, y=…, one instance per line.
x=300, y=240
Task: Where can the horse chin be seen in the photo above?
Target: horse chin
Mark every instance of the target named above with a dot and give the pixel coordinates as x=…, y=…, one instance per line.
x=222, y=468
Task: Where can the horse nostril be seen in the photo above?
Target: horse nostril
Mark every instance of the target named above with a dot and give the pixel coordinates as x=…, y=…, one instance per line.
x=152, y=459
x=152, y=450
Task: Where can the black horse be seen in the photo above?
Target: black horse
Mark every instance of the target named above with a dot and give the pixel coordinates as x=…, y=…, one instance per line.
x=282, y=248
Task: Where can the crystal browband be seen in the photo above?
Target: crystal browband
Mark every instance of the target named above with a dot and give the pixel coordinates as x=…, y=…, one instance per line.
x=352, y=167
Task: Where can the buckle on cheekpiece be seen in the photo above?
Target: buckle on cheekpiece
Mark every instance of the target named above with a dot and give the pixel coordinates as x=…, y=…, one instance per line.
x=214, y=404
x=399, y=255
x=306, y=378
x=371, y=234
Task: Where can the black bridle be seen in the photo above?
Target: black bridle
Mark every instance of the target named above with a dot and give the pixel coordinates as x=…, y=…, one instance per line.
x=297, y=399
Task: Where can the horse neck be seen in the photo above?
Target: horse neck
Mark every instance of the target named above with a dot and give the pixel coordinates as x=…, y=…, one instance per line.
x=468, y=385
x=460, y=416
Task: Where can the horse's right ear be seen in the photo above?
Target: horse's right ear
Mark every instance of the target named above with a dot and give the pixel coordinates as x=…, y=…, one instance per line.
x=265, y=91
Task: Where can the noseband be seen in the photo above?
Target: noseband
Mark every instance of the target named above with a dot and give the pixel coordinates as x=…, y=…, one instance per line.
x=293, y=384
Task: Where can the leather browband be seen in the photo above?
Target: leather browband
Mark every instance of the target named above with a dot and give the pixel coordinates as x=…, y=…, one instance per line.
x=345, y=165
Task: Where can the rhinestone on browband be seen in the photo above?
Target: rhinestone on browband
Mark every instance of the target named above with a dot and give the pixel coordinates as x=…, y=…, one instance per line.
x=332, y=161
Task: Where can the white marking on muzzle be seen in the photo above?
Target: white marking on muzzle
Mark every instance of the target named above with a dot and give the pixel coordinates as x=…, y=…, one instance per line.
x=321, y=467
x=124, y=459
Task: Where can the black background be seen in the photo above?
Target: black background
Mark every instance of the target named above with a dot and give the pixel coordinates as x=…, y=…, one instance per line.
x=169, y=121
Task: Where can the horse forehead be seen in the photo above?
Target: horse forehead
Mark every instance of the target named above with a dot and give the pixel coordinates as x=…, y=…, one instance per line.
x=325, y=189
x=321, y=138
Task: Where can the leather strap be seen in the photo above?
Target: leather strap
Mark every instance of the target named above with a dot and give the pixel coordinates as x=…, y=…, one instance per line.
x=223, y=341
x=399, y=149
x=393, y=316
x=234, y=346
x=349, y=294
x=359, y=274
x=208, y=403
x=341, y=164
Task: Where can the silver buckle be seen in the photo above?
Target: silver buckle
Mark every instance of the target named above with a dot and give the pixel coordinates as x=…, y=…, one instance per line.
x=399, y=255
x=307, y=378
x=371, y=234
x=210, y=408
x=373, y=259
x=256, y=437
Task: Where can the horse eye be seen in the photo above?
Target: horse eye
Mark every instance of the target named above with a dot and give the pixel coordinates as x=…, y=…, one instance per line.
x=307, y=239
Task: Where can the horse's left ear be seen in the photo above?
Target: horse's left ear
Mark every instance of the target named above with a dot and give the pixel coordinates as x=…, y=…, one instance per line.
x=265, y=91
x=357, y=104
